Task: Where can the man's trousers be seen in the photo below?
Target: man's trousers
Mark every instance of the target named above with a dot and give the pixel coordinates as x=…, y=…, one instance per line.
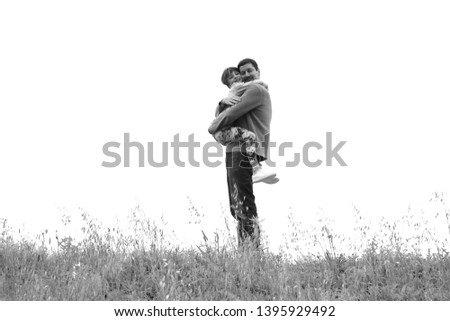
x=242, y=199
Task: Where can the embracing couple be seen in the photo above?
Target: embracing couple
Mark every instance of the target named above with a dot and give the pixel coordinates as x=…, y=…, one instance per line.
x=242, y=123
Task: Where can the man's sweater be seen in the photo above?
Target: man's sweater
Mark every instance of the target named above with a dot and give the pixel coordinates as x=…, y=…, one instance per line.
x=253, y=112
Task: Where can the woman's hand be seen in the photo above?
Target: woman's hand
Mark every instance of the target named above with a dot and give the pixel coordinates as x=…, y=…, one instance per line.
x=231, y=100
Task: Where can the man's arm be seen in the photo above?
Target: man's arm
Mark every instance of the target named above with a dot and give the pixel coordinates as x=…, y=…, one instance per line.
x=251, y=99
x=217, y=110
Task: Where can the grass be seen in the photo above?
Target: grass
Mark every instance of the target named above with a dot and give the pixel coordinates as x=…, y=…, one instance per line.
x=142, y=264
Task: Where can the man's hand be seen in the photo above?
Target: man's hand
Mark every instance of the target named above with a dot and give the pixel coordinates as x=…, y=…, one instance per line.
x=231, y=100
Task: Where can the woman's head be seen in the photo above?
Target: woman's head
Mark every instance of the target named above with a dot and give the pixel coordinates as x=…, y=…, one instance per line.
x=230, y=75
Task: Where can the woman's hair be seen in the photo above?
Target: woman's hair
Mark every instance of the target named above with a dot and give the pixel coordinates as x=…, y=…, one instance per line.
x=227, y=73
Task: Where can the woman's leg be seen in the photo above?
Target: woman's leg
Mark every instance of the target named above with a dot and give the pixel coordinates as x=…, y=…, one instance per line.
x=225, y=136
x=239, y=134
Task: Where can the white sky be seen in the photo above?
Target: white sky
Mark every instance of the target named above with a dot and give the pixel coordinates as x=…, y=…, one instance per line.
x=76, y=75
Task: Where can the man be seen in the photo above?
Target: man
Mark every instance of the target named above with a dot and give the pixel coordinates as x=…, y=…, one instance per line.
x=254, y=113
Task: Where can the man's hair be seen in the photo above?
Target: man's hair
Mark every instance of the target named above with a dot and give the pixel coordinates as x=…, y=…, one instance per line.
x=248, y=61
x=226, y=74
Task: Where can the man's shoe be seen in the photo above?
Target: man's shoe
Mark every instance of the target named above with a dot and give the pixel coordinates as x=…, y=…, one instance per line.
x=261, y=174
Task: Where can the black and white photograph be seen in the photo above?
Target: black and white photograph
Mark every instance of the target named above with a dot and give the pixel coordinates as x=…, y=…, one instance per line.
x=286, y=156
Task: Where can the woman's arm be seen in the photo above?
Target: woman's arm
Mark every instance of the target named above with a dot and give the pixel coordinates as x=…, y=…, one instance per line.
x=254, y=97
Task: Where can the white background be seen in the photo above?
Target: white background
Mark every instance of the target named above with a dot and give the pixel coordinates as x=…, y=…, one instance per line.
x=75, y=75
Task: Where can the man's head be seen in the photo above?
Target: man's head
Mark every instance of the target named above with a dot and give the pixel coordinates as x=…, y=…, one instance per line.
x=230, y=75
x=249, y=69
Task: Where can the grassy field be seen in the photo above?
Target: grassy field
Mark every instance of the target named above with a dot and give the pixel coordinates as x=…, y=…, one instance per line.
x=110, y=264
